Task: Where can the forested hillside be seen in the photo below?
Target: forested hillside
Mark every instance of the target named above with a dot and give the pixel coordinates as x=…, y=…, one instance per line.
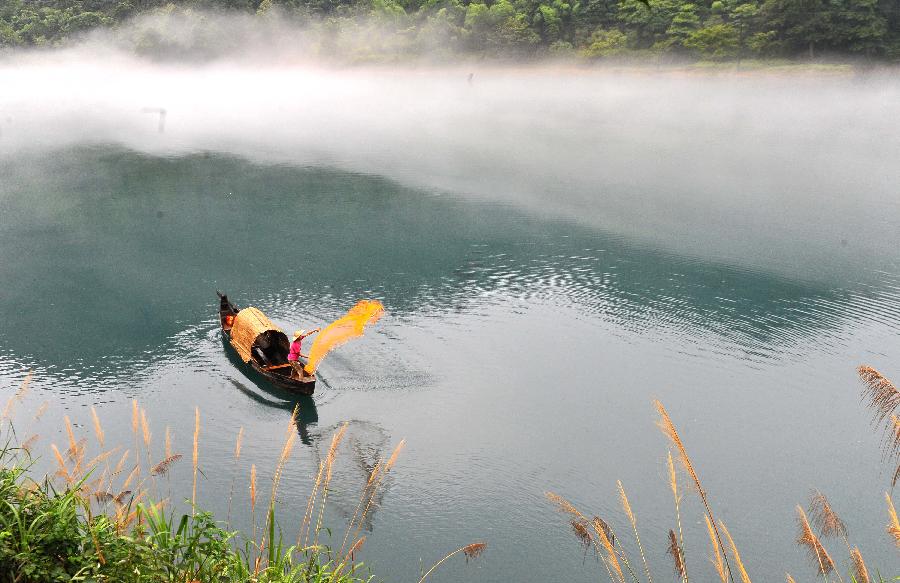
x=593, y=29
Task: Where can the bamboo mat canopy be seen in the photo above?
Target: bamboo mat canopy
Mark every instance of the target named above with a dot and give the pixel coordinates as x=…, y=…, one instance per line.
x=248, y=325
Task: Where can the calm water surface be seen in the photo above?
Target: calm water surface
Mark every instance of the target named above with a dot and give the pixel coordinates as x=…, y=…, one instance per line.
x=520, y=353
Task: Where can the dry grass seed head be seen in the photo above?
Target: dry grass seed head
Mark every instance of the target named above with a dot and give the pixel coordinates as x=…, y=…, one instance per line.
x=168, y=442
x=103, y=497
x=823, y=516
x=252, y=487
x=668, y=428
x=163, y=466
x=73, y=443
x=808, y=539
x=860, y=573
x=582, y=532
x=134, y=473
x=356, y=546
x=394, y=454
x=98, y=429
x=121, y=463
x=893, y=528
x=604, y=533
x=237, y=444
x=19, y=395
x=145, y=427
x=789, y=578
x=63, y=471
x=717, y=554
x=28, y=443
x=563, y=505
x=599, y=523
x=673, y=479
x=135, y=417
x=41, y=410
x=883, y=397
x=745, y=578
x=677, y=559
x=196, y=453
x=336, y=440
x=474, y=550
x=626, y=506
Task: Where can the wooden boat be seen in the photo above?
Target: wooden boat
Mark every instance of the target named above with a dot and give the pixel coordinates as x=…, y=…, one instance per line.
x=262, y=345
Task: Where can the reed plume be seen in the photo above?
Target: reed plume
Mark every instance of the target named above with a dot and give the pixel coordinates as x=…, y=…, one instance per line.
x=310, y=507
x=383, y=474
x=118, y=498
x=627, y=507
x=584, y=535
x=237, y=444
x=745, y=578
x=168, y=442
x=893, y=528
x=41, y=410
x=103, y=497
x=598, y=522
x=668, y=428
x=372, y=476
x=98, y=429
x=134, y=473
x=677, y=556
x=811, y=542
x=860, y=573
x=252, y=487
x=358, y=545
x=564, y=505
x=121, y=463
x=100, y=457
x=237, y=456
x=135, y=417
x=196, y=456
x=63, y=470
x=145, y=429
x=18, y=396
x=290, y=437
x=824, y=518
x=673, y=485
x=612, y=559
x=883, y=397
x=471, y=551
x=789, y=578
x=163, y=466
x=329, y=466
x=716, y=559
x=73, y=443
x=28, y=443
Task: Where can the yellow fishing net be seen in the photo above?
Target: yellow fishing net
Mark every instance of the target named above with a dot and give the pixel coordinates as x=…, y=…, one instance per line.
x=351, y=326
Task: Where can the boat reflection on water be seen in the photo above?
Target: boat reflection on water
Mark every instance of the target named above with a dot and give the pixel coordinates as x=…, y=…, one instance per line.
x=307, y=415
x=365, y=446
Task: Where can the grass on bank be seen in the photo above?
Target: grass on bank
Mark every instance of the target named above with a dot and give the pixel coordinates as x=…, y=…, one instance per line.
x=816, y=524
x=94, y=519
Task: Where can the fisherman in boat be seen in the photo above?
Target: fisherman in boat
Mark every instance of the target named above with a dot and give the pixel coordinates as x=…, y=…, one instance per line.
x=295, y=355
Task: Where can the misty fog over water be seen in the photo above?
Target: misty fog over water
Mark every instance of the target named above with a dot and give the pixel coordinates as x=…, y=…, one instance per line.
x=744, y=163
x=556, y=246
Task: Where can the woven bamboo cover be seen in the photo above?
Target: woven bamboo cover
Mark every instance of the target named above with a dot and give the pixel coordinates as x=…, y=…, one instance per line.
x=248, y=324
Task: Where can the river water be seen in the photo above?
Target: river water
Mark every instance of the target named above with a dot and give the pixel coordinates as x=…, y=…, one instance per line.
x=532, y=317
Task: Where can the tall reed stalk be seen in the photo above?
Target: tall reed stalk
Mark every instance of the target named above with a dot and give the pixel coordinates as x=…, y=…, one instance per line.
x=668, y=428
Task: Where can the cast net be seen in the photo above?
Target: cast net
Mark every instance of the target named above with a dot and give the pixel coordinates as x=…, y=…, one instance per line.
x=351, y=326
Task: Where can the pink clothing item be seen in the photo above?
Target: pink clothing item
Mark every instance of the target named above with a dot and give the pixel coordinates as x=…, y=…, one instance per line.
x=294, y=354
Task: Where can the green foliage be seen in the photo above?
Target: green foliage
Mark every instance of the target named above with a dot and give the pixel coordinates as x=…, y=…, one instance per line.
x=606, y=43
x=717, y=42
x=359, y=29
x=50, y=537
